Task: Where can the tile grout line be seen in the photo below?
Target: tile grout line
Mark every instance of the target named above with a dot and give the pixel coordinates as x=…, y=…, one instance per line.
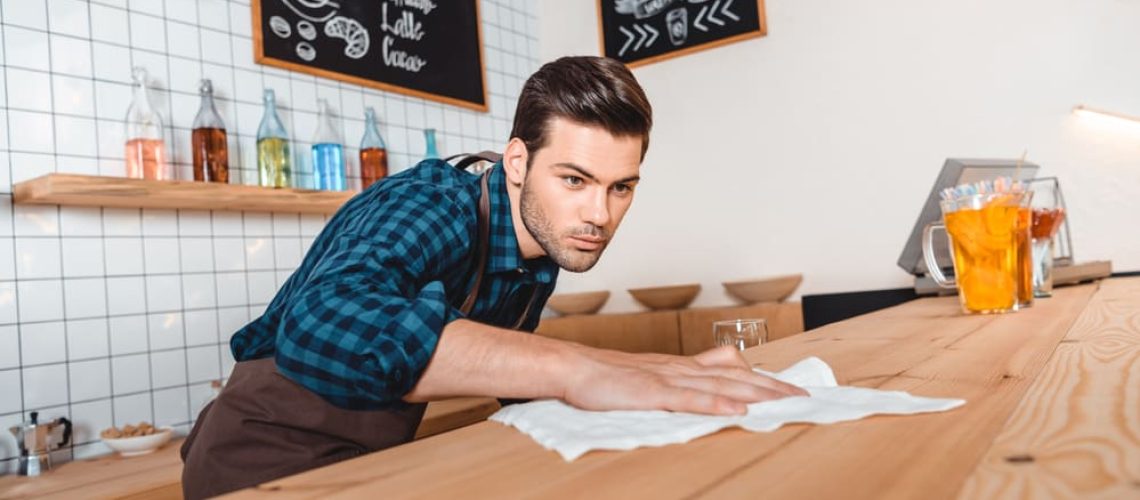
x=178, y=221
x=12, y=212
x=217, y=305
x=143, y=234
x=103, y=242
x=59, y=229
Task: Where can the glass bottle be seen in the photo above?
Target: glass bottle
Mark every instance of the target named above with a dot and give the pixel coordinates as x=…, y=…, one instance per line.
x=272, y=147
x=145, y=151
x=429, y=138
x=208, y=140
x=328, y=151
x=373, y=152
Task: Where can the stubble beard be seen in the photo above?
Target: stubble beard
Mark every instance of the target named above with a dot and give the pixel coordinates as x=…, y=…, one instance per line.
x=540, y=228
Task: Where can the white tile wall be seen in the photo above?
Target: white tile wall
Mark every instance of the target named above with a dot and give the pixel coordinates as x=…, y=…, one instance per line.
x=88, y=419
x=131, y=373
x=90, y=380
x=42, y=343
x=165, y=331
x=8, y=303
x=40, y=300
x=132, y=409
x=87, y=339
x=116, y=316
x=202, y=327
x=44, y=386
x=11, y=387
x=83, y=257
x=9, y=347
x=128, y=334
x=85, y=298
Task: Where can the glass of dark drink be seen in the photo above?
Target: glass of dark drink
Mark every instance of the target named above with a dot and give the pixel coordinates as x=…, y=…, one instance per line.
x=1048, y=214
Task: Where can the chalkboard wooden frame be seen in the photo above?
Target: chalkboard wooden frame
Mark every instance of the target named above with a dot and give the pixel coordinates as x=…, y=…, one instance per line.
x=260, y=58
x=762, y=31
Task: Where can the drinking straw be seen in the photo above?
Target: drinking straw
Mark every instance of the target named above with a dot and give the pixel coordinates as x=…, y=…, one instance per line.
x=1017, y=170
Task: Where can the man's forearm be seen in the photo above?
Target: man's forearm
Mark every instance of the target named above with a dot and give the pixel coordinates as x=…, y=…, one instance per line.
x=473, y=359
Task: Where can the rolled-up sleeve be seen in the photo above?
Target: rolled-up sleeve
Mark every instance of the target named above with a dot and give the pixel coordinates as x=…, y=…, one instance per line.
x=362, y=327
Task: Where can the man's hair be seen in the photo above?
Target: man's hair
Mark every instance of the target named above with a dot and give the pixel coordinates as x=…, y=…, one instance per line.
x=593, y=91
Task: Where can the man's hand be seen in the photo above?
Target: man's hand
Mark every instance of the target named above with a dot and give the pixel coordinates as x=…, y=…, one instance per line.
x=718, y=381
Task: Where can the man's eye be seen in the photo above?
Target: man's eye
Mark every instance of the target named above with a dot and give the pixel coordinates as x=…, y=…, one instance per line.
x=622, y=188
x=573, y=181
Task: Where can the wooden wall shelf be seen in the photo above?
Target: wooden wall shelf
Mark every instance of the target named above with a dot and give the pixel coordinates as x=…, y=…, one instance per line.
x=121, y=192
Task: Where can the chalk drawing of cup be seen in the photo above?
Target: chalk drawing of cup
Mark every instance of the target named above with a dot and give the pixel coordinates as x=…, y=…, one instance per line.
x=677, y=20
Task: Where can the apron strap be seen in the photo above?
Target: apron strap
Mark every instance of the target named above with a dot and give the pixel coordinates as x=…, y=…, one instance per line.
x=470, y=158
x=484, y=242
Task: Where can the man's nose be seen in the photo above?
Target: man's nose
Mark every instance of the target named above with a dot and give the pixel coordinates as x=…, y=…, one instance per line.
x=597, y=210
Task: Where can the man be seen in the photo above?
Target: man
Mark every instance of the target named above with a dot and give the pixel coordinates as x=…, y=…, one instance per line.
x=418, y=288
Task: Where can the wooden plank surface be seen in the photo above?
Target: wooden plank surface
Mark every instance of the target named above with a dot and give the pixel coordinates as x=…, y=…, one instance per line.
x=1083, y=271
x=448, y=414
x=102, y=191
x=927, y=347
x=654, y=331
x=1077, y=431
x=933, y=350
x=784, y=319
x=159, y=475
x=156, y=475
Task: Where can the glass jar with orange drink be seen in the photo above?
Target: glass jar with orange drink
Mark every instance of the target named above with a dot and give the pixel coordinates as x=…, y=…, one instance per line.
x=989, y=236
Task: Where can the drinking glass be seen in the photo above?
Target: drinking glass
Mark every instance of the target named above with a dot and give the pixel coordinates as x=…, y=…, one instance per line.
x=1048, y=214
x=740, y=333
x=1024, y=254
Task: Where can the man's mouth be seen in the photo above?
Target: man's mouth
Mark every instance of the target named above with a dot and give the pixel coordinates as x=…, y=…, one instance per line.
x=588, y=243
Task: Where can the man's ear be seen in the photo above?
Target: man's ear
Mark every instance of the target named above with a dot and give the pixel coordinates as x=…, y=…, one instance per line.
x=515, y=158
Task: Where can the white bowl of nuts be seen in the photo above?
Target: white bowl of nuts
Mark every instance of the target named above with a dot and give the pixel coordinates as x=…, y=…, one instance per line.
x=133, y=440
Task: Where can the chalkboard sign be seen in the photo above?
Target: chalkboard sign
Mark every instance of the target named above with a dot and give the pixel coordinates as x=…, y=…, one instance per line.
x=426, y=48
x=639, y=32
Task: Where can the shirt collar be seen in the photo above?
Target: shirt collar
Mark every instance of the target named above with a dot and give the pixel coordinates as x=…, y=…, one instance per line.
x=505, y=255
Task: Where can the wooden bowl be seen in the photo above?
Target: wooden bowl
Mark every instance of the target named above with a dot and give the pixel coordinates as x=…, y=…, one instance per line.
x=765, y=290
x=666, y=297
x=578, y=303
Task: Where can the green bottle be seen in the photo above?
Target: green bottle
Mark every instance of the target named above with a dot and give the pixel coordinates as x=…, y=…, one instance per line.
x=273, y=167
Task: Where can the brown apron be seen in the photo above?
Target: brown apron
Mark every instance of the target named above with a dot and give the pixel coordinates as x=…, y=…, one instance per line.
x=264, y=426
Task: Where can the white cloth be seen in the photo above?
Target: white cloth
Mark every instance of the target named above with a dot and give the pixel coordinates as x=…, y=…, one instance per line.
x=572, y=432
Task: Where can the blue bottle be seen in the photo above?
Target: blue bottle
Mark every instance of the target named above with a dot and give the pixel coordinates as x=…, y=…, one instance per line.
x=328, y=152
x=430, y=151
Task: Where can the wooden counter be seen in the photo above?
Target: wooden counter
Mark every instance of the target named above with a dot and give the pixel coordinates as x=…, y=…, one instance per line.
x=1053, y=410
x=156, y=476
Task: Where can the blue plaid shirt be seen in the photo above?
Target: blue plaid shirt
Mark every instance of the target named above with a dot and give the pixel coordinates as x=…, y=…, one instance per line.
x=358, y=321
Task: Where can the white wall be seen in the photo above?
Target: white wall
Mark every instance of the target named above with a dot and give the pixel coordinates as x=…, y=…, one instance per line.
x=812, y=149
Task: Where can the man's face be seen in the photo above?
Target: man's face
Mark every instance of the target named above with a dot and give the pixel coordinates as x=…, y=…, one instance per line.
x=577, y=190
